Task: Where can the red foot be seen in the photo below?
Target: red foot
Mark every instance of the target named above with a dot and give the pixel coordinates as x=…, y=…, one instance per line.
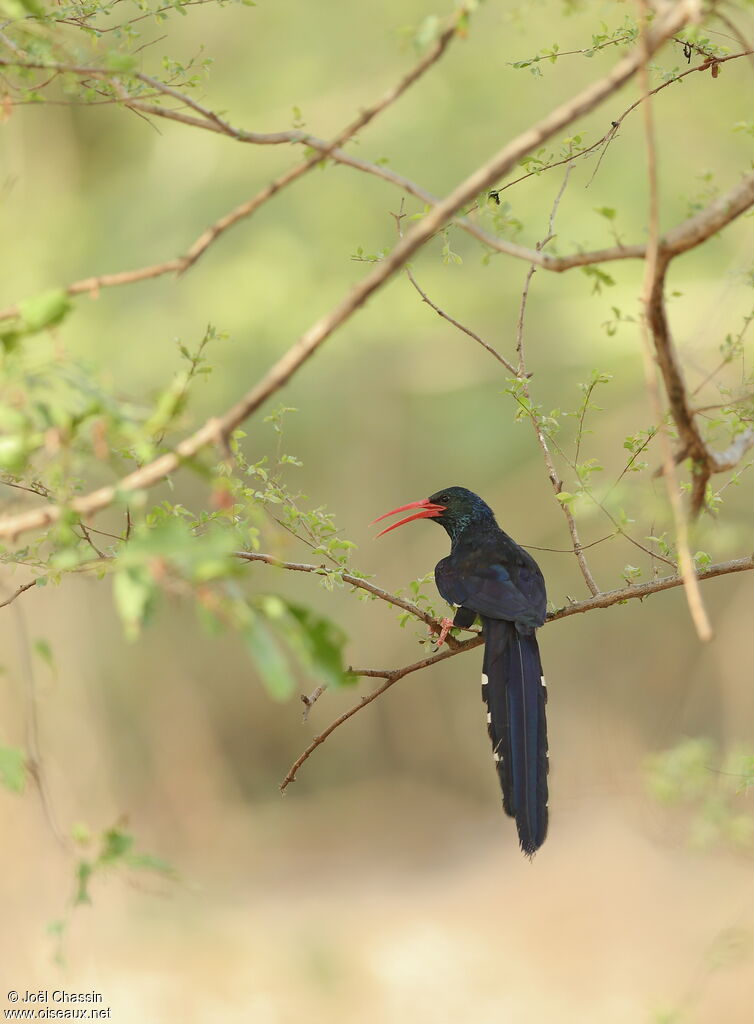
x=447, y=625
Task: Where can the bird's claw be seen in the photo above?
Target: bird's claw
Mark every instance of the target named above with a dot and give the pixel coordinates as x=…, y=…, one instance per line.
x=445, y=627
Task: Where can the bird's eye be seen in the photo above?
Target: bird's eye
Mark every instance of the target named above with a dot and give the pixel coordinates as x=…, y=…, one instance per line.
x=444, y=497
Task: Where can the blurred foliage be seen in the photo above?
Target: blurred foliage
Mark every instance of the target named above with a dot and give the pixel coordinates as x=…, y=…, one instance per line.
x=112, y=851
x=12, y=769
x=710, y=797
x=68, y=428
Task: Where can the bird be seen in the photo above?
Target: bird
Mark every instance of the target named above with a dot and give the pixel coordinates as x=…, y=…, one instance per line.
x=488, y=575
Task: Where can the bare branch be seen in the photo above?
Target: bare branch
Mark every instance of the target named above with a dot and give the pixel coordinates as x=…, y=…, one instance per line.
x=246, y=209
x=602, y=600
x=17, y=593
x=310, y=700
x=216, y=429
x=705, y=462
x=652, y=288
x=735, y=451
x=692, y=443
x=210, y=121
x=441, y=312
x=367, y=699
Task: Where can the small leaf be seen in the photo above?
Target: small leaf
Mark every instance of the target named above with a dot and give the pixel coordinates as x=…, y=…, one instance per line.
x=133, y=590
x=270, y=660
x=44, y=310
x=12, y=769
x=83, y=875
x=115, y=844
x=123, y=62
x=148, y=862
x=325, y=641
x=428, y=32
x=44, y=651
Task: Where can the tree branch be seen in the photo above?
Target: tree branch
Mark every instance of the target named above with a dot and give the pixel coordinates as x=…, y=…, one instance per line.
x=217, y=429
x=602, y=600
x=398, y=217
x=17, y=593
x=246, y=209
x=654, y=273
x=533, y=416
x=351, y=580
x=212, y=122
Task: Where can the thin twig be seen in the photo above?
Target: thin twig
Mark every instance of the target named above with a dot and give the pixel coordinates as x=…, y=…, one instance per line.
x=615, y=125
x=398, y=217
x=246, y=209
x=310, y=700
x=603, y=600
x=210, y=121
x=217, y=429
x=352, y=581
x=17, y=593
x=552, y=472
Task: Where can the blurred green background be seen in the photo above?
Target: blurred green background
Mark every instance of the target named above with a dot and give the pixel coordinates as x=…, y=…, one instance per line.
x=387, y=885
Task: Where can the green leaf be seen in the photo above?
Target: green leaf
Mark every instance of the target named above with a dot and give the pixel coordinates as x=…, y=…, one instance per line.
x=599, y=277
x=133, y=590
x=272, y=664
x=324, y=642
x=44, y=651
x=12, y=769
x=13, y=453
x=115, y=844
x=84, y=872
x=44, y=310
x=17, y=9
x=148, y=862
x=123, y=62
x=428, y=32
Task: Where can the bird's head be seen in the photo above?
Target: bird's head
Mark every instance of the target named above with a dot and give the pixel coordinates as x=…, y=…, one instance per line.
x=454, y=508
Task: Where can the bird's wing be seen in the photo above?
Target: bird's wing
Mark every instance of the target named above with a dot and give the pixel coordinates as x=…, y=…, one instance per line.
x=490, y=590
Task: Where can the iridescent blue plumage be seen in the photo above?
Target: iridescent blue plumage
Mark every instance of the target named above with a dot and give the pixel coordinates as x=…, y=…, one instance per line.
x=488, y=574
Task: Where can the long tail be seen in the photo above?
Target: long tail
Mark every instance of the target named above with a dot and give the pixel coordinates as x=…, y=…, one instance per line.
x=514, y=691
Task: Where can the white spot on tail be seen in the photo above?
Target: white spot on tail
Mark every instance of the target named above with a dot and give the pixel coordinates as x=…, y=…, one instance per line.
x=542, y=680
x=489, y=718
x=485, y=680
x=496, y=756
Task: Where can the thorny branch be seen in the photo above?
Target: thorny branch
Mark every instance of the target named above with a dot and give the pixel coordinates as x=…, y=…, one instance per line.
x=601, y=600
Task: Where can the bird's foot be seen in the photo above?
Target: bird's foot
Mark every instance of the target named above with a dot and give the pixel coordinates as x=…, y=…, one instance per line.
x=445, y=627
